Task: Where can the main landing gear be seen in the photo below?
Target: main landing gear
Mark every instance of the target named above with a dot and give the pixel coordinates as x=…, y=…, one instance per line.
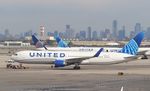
x=52, y=66
x=144, y=57
x=76, y=67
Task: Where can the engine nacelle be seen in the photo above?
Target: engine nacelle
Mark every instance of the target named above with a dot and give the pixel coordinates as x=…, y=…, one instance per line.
x=59, y=63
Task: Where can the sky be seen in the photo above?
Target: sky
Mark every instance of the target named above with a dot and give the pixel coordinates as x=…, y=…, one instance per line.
x=24, y=15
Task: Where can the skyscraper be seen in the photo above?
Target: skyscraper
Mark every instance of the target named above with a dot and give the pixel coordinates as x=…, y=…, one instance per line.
x=102, y=35
x=94, y=35
x=137, y=28
x=67, y=31
x=114, y=29
x=69, y=34
x=121, y=34
x=89, y=33
x=7, y=34
x=107, y=34
x=82, y=35
x=77, y=35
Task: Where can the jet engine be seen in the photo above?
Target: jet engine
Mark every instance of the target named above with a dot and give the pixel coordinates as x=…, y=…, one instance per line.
x=59, y=63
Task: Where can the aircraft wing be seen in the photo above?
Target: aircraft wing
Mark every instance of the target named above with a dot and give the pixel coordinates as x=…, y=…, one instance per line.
x=79, y=60
x=76, y=60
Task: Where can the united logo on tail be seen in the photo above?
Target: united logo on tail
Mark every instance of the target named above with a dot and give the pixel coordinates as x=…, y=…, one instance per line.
x=133, y=45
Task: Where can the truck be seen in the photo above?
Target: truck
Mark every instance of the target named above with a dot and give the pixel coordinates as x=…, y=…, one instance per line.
x=11, y=64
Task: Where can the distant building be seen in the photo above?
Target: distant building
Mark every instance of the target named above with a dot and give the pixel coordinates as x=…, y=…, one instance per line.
x=94, y=35
x=69, y=34
x=114, y=29
x=132, y=33
x=77, y=35
x=137, y=28
x=28, y=33
x=15, y=44
x=82, y=35
x=102, y=35
x=6, y=33
x=2, y=37
x=89, y=33
x=107, y=34
x=121, y=34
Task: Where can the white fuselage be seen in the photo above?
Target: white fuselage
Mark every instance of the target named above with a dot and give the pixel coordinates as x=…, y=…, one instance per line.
x=48, y=57
x=92, y=49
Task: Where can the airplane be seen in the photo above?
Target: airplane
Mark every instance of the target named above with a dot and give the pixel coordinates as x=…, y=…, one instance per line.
x=63, y=46
x=67, y=58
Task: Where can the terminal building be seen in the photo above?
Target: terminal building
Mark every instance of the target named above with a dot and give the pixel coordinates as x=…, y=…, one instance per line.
x=15, y=44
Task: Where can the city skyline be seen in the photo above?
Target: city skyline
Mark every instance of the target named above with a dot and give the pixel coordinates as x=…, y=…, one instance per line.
x=23, y=15
x=112, y=28
x=114, y=33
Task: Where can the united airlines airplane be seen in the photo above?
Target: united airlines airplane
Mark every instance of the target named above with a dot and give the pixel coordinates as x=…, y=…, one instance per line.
x=63, y=46
x=66, y=58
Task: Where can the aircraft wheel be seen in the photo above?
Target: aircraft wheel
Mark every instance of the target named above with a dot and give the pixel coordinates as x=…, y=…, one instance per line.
x=52, y=66
x=76, y=67
x=14, y=67
x=8, y=65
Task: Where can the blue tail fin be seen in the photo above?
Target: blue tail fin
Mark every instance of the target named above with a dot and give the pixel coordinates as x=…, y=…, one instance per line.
x=60, y=42
x=133, y=45
x=37, y=42
x=57, y=38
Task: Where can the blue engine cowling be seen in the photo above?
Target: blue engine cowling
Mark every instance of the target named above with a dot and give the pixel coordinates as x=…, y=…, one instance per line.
x=59, y=63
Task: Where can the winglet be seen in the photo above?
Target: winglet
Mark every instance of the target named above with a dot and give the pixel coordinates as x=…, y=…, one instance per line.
x=98, y=53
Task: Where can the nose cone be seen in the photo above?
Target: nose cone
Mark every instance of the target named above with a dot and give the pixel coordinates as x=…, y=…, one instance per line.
x=15, y=57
